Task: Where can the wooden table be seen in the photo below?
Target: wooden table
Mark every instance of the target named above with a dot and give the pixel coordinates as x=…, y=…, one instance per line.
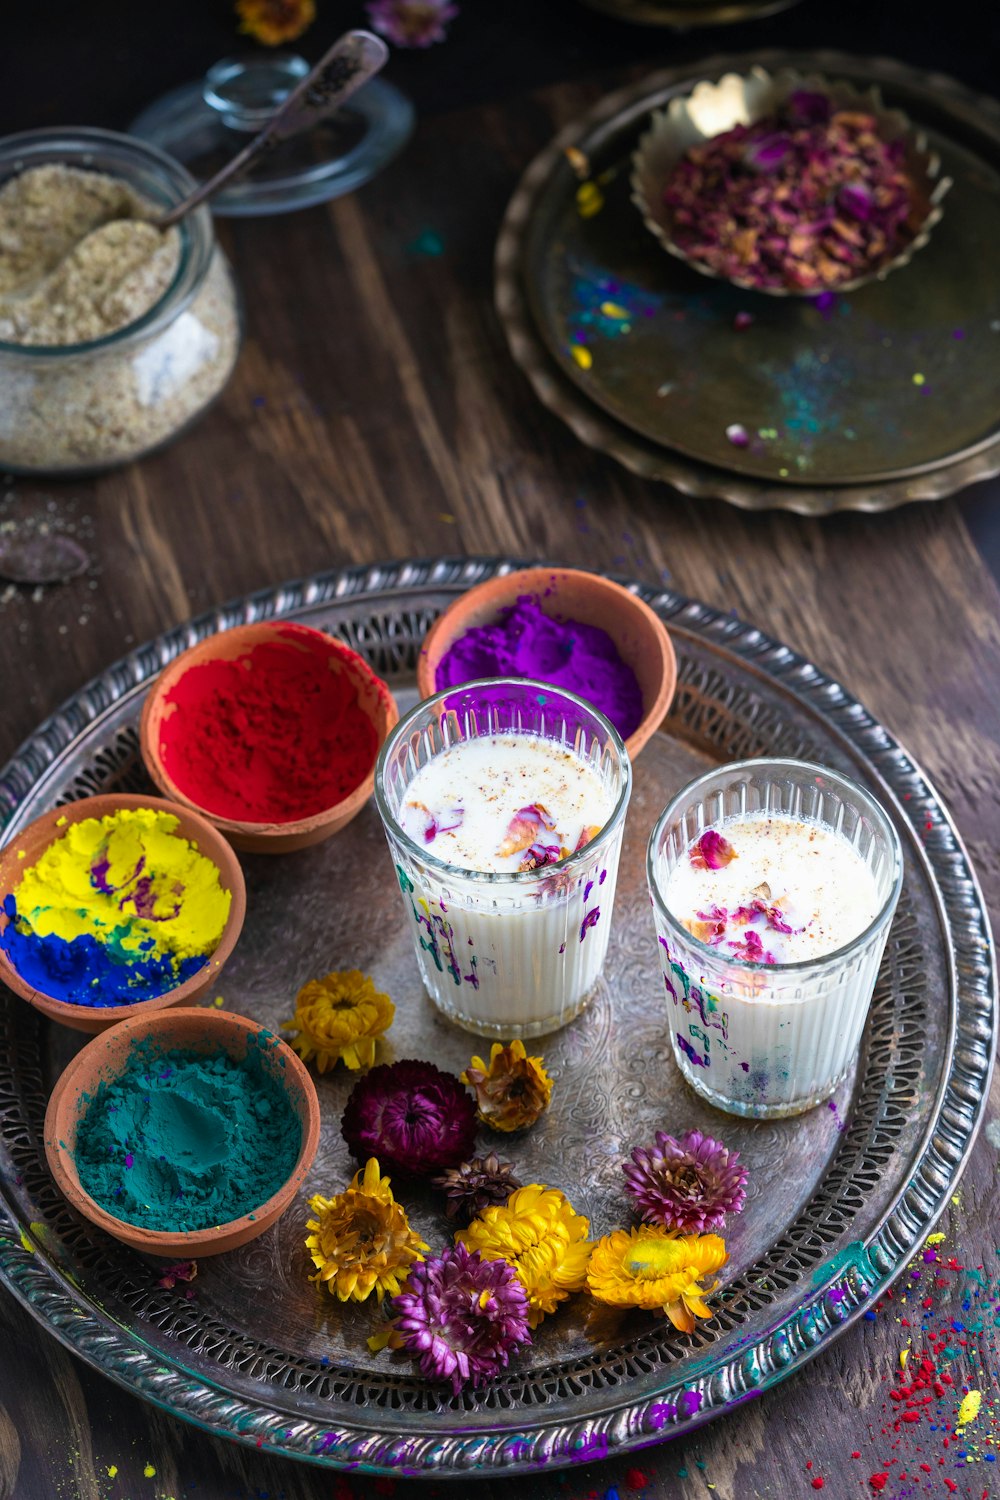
x=375, y=413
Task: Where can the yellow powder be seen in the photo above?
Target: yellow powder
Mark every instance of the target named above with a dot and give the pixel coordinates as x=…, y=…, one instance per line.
x=158, y=887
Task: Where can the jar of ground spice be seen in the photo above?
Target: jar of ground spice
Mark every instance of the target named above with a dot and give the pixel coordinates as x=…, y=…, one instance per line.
x=114, y=335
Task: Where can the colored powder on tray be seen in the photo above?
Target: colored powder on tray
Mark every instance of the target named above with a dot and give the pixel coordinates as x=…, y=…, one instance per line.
x=181, y=1140
x=526, y=642
x=118, y=909
x=271, y=736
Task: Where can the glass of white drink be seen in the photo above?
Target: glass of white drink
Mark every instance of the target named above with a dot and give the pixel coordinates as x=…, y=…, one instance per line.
x=504, y=805
x=774, y=884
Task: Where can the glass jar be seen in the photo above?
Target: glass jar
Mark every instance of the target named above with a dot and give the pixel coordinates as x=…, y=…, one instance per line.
x=75, y=409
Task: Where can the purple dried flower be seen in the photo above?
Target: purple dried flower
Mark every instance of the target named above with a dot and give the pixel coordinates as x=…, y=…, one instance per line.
x=475, y=1185
x=412, y=23
x=688, y=1185
x=411, y=1116
x=461, y=1316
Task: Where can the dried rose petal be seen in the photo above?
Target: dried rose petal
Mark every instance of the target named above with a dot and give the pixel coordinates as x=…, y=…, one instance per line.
x=710, y=925
x=750, y=947
x=542, y=854
x=809, y=106
x=420, y=823
x=524, y=828
x=589, y=832
x=773, y=916
x=712, y=851
x=806, y=198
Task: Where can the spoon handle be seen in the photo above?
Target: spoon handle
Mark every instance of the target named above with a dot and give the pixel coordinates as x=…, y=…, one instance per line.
x=350, y=62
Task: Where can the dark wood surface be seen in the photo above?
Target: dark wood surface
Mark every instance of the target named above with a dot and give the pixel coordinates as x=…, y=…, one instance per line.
x=375, y=413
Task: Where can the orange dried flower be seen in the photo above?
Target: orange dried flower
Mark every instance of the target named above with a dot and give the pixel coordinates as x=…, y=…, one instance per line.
x=513, y=1091
x=275, y=21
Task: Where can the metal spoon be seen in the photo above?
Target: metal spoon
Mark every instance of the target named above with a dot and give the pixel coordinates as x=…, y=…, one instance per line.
x=41, y=557
x=350, y=62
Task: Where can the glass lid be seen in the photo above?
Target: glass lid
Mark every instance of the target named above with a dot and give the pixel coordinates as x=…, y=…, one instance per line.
x=205, y=122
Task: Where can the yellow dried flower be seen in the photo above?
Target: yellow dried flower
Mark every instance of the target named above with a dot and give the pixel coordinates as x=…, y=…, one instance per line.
x=650, y=1267
x=341, y=1015
x=275, y=21
x=361, y=1240
x=513, y=1091
x=538, y=1232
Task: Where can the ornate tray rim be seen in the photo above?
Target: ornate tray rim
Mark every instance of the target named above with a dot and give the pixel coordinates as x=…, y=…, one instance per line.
x=627, y=1423
x=596, y=429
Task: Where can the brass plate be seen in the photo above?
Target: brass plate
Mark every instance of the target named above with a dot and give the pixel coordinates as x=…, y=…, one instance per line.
x=910, y=367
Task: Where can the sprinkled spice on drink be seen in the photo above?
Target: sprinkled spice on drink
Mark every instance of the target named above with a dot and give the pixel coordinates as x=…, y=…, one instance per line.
x=526, y=642
x=117, y=910
x=808, y=197
x=271, y=736
x=181, y=1140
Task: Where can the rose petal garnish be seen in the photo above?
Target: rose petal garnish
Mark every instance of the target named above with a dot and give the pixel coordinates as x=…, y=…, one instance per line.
x=590, y=831
x=420, y=823
x=751, y=948
x=712, y=851
x=773, y=916
x=541, y=854
x=709, y=926
x=524, y=828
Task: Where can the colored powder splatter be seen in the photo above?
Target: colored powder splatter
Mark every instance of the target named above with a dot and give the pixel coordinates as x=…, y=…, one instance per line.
x=969, y=1409
x=428, y=244
x=117, y=910
x=182, y=1140
x=527, y=642
x=271, y=736
x=605, y=308
x=940, y=1414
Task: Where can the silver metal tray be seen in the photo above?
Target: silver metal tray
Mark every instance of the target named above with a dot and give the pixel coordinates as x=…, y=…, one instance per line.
x=839, y=1199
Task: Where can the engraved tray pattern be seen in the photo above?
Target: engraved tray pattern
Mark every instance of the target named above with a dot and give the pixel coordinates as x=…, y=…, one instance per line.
x=839, y=1200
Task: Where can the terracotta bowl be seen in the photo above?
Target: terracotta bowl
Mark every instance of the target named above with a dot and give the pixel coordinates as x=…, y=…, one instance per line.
x=208, y=1031
x=32, y=844
x=565, y=593
x=374, y=699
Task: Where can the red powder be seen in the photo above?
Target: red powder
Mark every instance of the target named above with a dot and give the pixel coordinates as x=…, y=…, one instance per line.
x=271, y=736
x=636, y=1479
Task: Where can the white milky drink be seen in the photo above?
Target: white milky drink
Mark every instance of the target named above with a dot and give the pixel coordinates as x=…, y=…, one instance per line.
x=774, y=884
x=499, y=827
x=792, y=890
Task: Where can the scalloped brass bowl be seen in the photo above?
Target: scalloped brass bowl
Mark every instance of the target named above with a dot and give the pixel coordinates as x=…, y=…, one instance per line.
x=712, y=108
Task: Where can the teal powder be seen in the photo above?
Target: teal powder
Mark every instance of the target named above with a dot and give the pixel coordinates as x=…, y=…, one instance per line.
x=183, y=1140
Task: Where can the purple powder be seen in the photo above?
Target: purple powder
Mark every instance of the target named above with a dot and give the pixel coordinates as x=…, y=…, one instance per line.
x=526, y=642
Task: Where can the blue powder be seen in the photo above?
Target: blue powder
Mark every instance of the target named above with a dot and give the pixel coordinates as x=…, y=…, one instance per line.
x=182, y=1140
x=84, y=972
